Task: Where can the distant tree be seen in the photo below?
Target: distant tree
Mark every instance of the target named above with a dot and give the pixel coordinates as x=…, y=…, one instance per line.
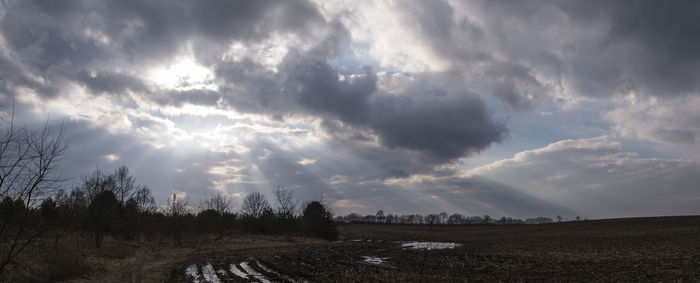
x=254, y=205
x=176, y=210
x=76, y=200
x=559, y=218
x=209, y=220
x=102, y=213
x=213, y=214
x=318, y=220
x=129, y=219
x=380, y=216
x=146, y=206
x=432, y=219
x=455, y=219
x=391, y=219
x=48, y=210
x=218, y=202
x=145, y=201
x=578, y=218
x=96, y=182
x=286, y=205
x=123, y=184
x=72, y=207
x=443, y=217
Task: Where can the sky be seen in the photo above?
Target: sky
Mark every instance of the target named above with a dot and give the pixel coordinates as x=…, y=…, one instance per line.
x=523, y=109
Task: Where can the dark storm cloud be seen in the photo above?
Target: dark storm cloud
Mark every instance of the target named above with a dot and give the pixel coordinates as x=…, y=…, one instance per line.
x=667, y=32
x=90, y=42
x=111, y=83
x=316, y=87
x=379, y=131
x=85, y=36
x=583, y=48
x=12, y=76
x=442, y=125
x=463, y=43
x=252, y=88
x=193, y=96
x=444, y=128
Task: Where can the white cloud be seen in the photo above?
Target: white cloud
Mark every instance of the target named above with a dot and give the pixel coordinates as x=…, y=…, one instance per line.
x=306, y=161
x=668, y=121
x=380, y=31
x=596, y=178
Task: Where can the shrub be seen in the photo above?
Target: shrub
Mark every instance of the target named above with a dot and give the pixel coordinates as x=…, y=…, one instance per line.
x=317, y=220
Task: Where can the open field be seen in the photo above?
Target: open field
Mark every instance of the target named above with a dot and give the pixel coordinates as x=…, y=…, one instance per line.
x=646, y=249
x=635, y=249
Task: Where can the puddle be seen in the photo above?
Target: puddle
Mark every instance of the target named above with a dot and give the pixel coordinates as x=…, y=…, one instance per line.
x=209, y=274
x=252, y=270
x=192, y=271
x=374, y=260
x=429, y=245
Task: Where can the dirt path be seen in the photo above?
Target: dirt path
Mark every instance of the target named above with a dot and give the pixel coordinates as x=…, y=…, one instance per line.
x=156, y=264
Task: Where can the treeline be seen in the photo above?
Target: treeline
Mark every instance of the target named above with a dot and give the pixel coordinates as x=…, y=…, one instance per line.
x=113, y=204
x=437, y=219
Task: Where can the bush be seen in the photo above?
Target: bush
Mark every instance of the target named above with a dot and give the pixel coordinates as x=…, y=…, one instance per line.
x=317, y=220
x=102, y=212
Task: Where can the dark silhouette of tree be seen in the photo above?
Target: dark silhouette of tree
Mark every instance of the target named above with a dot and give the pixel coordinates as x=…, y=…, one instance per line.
x=286, y=205
x=102, y=213
x=129, y=219
x=145, y=201
x=176, y=211
x=48, y=210
x=254, y=205
x=218, y=202
x=29, y=170
x=318, y=221
x=209, y=220
x=455, y=219
x=123, y=184
x=487, y=219
x=285, y=220
x=380, y=216
x=97, y=182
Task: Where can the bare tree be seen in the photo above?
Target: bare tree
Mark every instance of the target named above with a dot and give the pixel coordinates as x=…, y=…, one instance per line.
x=123, y=184
x=177, y=208
x=102, y=212
x=218, y=201
x=144, y=200
x=254, y=205
x=97, y=182
x=380, y=216
x=28, y=171
x=286, y=205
